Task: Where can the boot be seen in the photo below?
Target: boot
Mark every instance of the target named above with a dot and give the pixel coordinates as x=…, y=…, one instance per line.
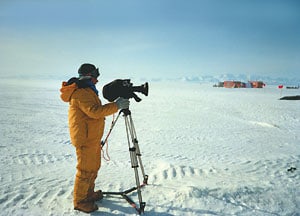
x=95, y=196
x=86, y=207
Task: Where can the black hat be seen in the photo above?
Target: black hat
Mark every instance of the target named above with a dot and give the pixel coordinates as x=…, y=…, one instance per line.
x=88, y=70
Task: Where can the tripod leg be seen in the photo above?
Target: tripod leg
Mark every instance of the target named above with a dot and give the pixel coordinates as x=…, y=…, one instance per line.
x=134, y=165
x=138, y=152
x=133, y=157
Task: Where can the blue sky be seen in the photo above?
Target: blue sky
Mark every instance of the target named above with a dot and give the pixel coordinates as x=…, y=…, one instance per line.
x=154, y=38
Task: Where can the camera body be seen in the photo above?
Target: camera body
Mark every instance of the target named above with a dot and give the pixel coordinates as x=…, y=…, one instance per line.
x=125, y=89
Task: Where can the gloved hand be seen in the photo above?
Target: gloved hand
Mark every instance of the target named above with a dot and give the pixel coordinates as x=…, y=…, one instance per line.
x=122, y=103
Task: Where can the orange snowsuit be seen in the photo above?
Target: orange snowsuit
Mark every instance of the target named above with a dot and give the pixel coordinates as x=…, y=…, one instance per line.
x=86, y=124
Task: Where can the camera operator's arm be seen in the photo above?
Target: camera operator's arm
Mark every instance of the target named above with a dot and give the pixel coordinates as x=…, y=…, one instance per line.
x=97, y=111
x=91, y=106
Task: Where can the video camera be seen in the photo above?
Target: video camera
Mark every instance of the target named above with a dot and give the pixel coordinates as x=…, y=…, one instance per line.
x=123, y=88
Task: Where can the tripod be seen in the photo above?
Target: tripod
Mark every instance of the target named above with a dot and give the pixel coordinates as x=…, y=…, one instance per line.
x=136, y=161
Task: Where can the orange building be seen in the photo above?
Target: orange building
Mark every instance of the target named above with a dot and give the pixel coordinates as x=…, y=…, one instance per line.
x=257, y=84
x=234, y=84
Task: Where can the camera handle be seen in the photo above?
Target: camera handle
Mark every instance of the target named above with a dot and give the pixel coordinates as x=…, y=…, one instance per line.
x=136, y=161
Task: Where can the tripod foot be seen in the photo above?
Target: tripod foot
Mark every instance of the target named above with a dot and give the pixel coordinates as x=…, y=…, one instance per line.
x=142, y=207
x=145, y=181
x=124, y=195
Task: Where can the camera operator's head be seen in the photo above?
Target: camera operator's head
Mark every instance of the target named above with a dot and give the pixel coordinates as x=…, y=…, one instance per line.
x=88, y=71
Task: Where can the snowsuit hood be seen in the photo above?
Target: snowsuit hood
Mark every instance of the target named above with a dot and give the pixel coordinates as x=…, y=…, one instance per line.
x=67, y=90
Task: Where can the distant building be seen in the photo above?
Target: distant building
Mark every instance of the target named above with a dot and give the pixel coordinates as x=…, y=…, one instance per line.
x=239, y=84
x=257, y=84
x=220, y=84
x=234, y=84
x=292, y=87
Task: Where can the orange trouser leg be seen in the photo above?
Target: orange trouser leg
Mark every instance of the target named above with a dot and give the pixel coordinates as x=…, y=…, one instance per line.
x=88, y=164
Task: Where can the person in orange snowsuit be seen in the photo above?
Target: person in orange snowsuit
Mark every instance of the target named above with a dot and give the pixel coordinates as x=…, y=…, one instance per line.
x=86, y=124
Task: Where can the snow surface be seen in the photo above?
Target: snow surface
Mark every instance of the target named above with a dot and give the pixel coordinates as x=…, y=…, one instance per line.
x=207, y=151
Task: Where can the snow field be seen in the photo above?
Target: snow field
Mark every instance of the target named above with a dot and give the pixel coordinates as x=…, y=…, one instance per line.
x=207, y=151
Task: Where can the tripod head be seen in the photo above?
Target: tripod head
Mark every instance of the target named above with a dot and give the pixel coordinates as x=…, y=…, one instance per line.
x=126, y=112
